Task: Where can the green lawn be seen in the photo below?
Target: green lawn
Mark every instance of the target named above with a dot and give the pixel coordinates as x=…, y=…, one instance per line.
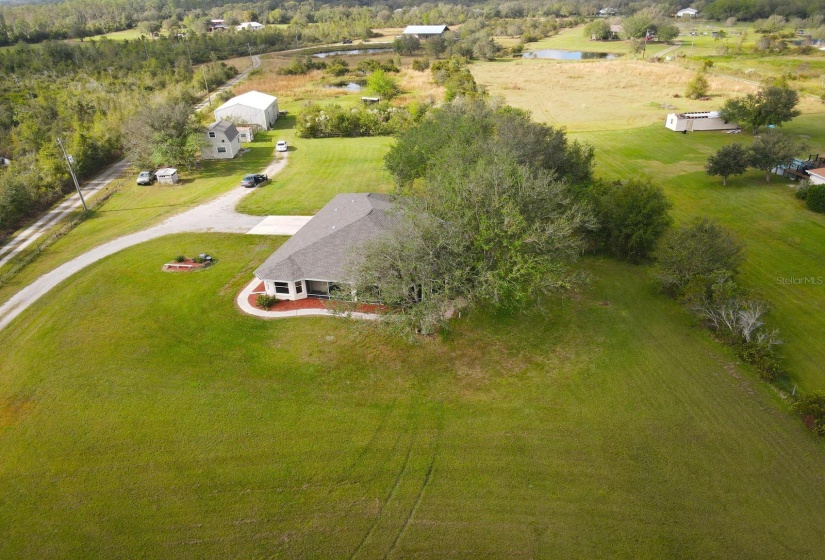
x=144, y=416
x=134, y=208
x=783, y=239
x=318, y=169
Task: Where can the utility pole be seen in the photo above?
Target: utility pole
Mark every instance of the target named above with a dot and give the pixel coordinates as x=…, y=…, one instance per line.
x=208, y=95
x=71, y=172
x=250, y=53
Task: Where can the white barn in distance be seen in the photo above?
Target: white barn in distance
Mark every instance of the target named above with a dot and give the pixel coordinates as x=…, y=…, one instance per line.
x=687, y=12
x=700, y=120
x=424, y=31
x=252, y=107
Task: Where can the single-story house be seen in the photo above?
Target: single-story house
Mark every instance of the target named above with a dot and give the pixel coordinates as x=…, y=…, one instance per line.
x=167, y=175
x=252, y=107
x=817, y=176
x=246, y=132
x=250, y=26
x=701, y=120
x=313, y=262
x=222, y=141
x=608, y=12
x=687, y=12
x=425, y=31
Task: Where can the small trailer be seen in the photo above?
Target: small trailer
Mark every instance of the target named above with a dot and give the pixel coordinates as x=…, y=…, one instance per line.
x=700, y=120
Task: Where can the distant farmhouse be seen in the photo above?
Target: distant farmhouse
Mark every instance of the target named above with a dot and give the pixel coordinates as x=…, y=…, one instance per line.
x=702, y=120
x=687, y=12
x=425, y=31
x=251, y=108
x=250, y=26
x=605, y=12
x=313, y=262
x=216, y=25
x=222, y=141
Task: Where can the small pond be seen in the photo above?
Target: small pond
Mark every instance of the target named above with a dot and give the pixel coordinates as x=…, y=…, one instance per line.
x=569, y=55
x=356, y=51
x=351, y=86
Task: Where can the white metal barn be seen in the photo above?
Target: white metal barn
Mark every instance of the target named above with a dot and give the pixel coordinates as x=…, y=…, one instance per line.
x=253, y=107
x=702, y=120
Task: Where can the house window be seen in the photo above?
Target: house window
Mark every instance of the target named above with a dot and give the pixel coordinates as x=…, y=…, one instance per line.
x=221, y=149
x=281, y=287
x=212, y=135
x=299, y=288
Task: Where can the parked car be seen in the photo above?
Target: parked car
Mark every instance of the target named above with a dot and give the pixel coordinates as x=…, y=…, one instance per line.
x=253, y=180
x=346, y=41
x=280, y=146
x=146, y=178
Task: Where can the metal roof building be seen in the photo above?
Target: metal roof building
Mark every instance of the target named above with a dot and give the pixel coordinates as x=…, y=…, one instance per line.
x=425, y=30
x=252, y=107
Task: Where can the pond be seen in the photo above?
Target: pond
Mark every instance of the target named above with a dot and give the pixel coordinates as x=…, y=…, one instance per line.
x=356, y=51
x=569, y=55
x=350, y=86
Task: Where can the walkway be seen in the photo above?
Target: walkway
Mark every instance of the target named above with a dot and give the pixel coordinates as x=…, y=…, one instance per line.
x=218, y=215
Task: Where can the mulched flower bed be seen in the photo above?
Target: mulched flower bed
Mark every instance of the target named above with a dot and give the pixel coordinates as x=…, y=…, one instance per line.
x=313, y=303
x=187, y=265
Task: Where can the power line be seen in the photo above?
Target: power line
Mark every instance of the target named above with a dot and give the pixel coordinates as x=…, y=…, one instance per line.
x=71, y=172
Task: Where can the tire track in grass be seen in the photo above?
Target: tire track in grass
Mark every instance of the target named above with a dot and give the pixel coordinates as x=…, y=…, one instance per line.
x=417, y=503
x=427, y=478
x=387, y=500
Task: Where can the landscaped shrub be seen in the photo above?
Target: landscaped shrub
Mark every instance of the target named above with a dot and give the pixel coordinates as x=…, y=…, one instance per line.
x=815, y=198
x=802, y=191
x=180, y=259
x=812, y=410
x=265, y=301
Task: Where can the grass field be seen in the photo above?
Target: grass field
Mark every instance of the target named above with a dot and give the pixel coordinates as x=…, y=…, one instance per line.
x=783, y=238
x=619, y=93
x=319, y=169
x=614, y=427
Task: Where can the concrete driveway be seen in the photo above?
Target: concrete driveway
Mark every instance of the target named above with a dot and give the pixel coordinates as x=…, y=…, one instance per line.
x=217, y=215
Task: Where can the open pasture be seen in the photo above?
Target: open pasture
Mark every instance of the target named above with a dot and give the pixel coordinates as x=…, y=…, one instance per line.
x=599, y=95
x=144, y=416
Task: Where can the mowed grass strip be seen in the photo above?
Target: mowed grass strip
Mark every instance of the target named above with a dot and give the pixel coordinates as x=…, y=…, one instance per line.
x=145, y=416
x=318, y=169
x=784, y=240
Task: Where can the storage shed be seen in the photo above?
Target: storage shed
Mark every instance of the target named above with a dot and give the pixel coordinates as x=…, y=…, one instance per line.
x=702, y=120
x=168, y=175
x=253, y=107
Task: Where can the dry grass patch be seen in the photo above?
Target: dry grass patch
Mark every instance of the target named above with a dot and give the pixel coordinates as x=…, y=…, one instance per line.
x=599, y=95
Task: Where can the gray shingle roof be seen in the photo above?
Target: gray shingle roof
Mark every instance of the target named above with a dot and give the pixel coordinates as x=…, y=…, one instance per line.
x=226, y=127
x=322, y=248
